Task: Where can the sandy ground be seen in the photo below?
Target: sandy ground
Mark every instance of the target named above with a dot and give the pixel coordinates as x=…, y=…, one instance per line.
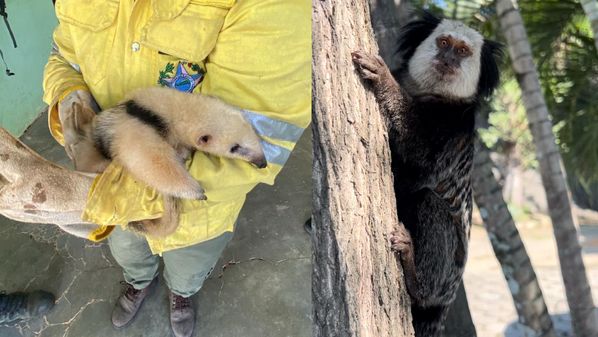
x=489, y=298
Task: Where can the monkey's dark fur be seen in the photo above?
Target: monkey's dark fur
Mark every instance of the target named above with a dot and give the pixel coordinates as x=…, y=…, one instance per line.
x=431, y=134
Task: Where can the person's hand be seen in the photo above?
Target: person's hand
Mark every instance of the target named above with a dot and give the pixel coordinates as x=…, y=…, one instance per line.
x=76, y=113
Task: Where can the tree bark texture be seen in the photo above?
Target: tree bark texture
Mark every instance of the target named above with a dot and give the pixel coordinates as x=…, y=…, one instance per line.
x=35, y=190
x=508, y=247
x=357, y=284
x=590, y=7
x=579, y=294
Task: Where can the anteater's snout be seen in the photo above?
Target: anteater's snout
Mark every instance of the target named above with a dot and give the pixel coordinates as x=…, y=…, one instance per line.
x=260, y=162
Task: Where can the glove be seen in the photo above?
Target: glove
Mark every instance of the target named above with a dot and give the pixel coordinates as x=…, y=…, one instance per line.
x=76, y=113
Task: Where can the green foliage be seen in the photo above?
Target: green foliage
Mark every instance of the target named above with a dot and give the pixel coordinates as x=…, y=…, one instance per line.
x=519, y=212
x=508, y=126
x=567, y=60
x=165, y=74
x=169, y=68
x=478, y=14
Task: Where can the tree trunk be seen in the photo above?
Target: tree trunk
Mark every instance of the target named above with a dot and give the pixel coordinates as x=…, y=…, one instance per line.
x=591, y=9
x=357, y=284
x=508, y=247
x=35, y=190
x=579, y=294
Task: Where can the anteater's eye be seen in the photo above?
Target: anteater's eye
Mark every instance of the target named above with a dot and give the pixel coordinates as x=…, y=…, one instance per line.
x=235, y=148
x=204, y=139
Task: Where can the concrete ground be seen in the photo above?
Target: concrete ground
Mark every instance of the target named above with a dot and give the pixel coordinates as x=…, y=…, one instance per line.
x=489, y=298
x=264, y=291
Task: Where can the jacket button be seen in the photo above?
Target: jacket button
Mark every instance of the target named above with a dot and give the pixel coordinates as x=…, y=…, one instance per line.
x=135, y=46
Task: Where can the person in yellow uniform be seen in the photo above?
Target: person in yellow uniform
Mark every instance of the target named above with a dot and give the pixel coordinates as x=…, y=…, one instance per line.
x=254, y=54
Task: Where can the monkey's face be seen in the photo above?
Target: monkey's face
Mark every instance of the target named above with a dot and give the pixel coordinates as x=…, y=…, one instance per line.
x=447, y=63
x=451, y=52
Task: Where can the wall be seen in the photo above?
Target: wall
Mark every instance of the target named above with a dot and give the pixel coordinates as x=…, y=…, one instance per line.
x=32, y=22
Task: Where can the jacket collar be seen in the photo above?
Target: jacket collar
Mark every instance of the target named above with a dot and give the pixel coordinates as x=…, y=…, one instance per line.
x=168, y=9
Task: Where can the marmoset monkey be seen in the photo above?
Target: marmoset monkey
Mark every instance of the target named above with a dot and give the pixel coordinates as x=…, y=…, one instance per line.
x=430, y=103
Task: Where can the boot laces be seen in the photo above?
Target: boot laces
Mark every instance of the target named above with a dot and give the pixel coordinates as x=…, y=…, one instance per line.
x=180, y=302
x=129, y=291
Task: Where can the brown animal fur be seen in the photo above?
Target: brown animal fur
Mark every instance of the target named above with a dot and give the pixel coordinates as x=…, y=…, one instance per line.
x=154, y=131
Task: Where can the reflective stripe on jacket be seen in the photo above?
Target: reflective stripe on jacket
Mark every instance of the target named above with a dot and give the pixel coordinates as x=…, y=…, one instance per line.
x=254, y=54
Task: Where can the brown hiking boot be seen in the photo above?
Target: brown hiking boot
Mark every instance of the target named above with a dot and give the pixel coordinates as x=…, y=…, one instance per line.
x=182, y=315
x=128, y=304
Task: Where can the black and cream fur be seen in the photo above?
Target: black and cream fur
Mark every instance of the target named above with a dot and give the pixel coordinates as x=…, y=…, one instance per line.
x=430, y=102
x=151, y=134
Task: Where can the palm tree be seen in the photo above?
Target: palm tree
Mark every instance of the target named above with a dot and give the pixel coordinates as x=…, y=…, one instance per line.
x=591, y=9
x=565, y=52
x=508, y=247
x=579, y=295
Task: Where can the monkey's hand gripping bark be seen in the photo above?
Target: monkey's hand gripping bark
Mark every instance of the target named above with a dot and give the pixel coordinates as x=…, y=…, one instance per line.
x=402, y=244
x=388, y=92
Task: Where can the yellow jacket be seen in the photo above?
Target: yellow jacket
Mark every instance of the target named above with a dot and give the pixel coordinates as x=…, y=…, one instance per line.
x=254, y=54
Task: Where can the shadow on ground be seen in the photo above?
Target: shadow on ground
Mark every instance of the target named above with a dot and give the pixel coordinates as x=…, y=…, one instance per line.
x=589, y=237
x=264, y=291
x=562, y=327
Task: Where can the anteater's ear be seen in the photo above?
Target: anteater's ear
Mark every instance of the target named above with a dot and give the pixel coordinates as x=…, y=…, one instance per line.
x=492, y=54
x=205, y=139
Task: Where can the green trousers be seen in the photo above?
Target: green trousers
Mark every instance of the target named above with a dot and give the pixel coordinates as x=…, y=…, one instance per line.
x=185, y=269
